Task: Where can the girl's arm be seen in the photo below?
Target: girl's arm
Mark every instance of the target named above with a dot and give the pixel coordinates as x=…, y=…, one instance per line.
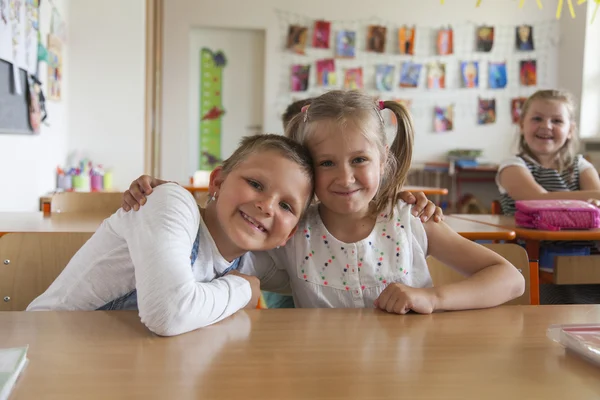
x=491, y=281
x=268, y=267
x=589, y=180
x=520, y=185
x=159, y=238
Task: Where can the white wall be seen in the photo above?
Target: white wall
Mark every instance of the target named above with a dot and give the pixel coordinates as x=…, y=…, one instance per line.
x=106, y=116
x=28, y=162
x=183, y=15
x=590, y=97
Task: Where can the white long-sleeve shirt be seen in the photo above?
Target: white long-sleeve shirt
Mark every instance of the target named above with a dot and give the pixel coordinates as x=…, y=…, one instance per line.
x=149, y=250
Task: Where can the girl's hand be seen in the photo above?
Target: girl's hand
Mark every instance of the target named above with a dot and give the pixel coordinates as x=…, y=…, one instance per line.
x=400, y=299
x=594, y=202
x=138, y=190
x=423, y=207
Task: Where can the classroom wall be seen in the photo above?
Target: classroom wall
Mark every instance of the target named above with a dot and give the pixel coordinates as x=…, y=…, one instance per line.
x=106, y=117
x=182, y=15
x=28, y=162
x=590, y=97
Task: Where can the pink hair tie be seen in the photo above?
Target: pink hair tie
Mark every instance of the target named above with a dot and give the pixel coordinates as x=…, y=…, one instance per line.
x=305, y=112
x=381, y=105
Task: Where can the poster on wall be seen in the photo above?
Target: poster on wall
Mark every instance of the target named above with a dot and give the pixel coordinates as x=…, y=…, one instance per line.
x=211, y=107
x=54, y=67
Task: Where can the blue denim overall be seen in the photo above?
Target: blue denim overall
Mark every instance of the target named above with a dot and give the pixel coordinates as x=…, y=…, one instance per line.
x=129, y=301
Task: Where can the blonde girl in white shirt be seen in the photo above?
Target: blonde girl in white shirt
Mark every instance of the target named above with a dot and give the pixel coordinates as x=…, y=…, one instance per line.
x=178, y=264
x=360, y=246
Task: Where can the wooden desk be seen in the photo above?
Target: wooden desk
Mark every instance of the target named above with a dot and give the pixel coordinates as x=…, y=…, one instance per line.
x=428, y=191
x=500, y=353
x=22, y=222
x=473, y=230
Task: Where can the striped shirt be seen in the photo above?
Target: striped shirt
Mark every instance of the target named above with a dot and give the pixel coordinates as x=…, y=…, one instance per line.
x=548, y=178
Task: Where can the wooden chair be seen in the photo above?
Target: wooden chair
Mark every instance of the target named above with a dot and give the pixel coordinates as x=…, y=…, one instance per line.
x=97, y=202
x=496, y=209
x=30, y=262
x=515, y=254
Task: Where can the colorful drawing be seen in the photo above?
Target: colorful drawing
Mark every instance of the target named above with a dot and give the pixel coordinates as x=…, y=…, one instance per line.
x=54, y=67
x=445, y=41
x=322, y=32
x=384, y=77
x=436, y=75
x=376, y=38
x=516, y=106
x=443, y=119
x=528, y=73
x=345, y=44
x=211, y=107
x=497, y=75
x=524, y=37
x=409, y=74
x=300, y=74
x=485, y=38
x=326, y=72
x=353, y=78
x=296, y=40
x=406, y=40
x=486, y=112
x=470, y=73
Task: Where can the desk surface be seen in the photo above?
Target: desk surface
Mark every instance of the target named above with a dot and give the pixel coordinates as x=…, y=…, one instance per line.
x=304, y=353
x=473, y=230
x=56, y=222
x=531, y=234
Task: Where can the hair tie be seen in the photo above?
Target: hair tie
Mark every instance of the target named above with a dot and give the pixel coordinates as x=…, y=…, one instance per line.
x=381, y=105
x=305, y=111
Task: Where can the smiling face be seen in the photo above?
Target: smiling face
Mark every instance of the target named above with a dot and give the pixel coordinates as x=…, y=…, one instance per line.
x=348, y=168
x=260, y=202
x=546, y=127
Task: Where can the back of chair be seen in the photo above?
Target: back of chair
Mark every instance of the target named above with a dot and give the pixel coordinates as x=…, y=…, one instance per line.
x=496, y=209
x=515, y=254
x=97, y=202
x=31, y=262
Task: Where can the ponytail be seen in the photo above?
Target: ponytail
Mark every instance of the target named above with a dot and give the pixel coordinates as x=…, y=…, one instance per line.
x=399, y=157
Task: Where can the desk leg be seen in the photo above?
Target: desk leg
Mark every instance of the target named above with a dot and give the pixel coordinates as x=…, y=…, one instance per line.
x=533, y=251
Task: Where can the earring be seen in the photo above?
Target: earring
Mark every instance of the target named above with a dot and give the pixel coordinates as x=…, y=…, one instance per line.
x=212, y=197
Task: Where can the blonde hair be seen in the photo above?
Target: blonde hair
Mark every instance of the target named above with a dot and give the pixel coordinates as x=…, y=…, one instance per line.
x=566, y=155
x=353, y=106
x=286, y=147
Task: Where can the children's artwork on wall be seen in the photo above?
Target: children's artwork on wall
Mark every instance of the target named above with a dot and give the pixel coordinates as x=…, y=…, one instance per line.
x=54, y=67
x=485, y=38
x=470, y=73
x=345, y=44
x=528, y=73
x=211, y=107
x=406, y=40
x=391, y=117
x=322, y=32
x=486, y=112
x=516, y=105
x=300, y=74
x=384, y=77
x=376, y=38
x=296, y=40
x=353, y=78
x=409, y=74
x=524, y=37
x=436, y=75
x=497, y=75
x=326, y=72
x=443, y=119
x=445, y=41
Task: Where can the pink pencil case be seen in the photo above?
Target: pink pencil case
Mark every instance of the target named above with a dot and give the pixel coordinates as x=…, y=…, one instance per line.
x=555, y=215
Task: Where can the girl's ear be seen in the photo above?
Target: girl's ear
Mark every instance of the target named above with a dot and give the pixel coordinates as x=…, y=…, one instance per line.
x=217, y=176
x=572, y=130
